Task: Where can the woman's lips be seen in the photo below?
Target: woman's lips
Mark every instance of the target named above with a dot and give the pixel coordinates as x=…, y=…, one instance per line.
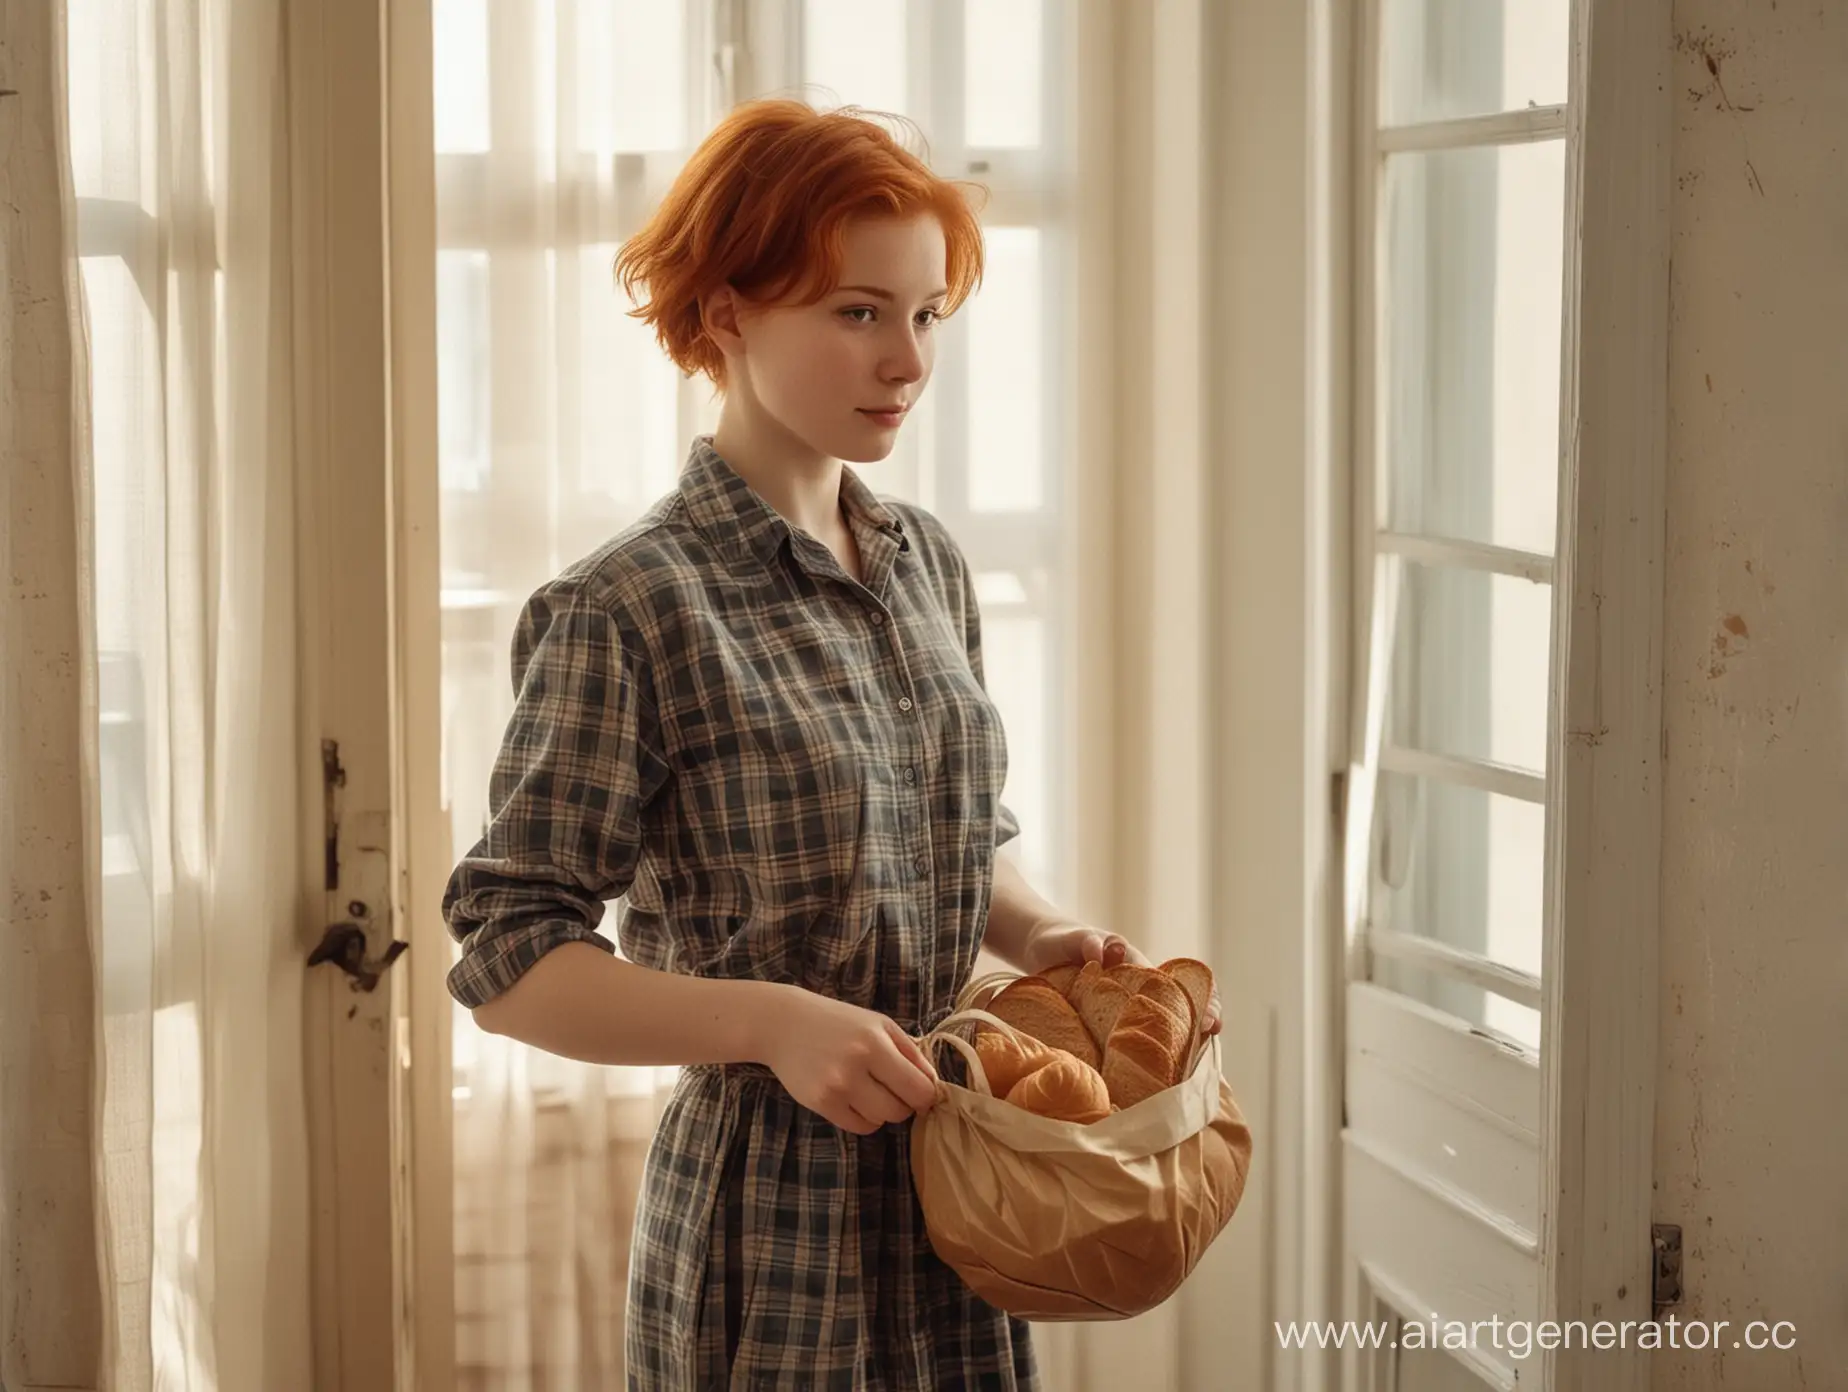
x=890, y=419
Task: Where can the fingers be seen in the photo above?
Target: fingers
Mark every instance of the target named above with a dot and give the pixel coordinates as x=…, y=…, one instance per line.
x=904, y=1074
x=910, y=1048
x=1110, y=949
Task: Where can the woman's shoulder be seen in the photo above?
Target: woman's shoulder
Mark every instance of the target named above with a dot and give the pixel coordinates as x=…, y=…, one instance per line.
x=655, y=566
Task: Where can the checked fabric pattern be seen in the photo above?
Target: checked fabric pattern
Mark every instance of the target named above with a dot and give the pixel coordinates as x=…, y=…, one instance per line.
x=784, y=775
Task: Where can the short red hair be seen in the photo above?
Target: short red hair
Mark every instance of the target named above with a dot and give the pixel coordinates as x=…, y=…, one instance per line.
x=761, y=207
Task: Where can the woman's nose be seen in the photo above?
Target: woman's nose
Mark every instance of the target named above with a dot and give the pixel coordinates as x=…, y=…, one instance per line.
x=905, y=361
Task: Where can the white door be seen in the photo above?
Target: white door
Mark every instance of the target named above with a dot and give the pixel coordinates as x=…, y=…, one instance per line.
x=1461, y=210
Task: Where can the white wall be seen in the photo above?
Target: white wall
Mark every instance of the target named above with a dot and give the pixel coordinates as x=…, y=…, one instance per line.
x=51, y=1316
x=1751, y=1129
x=1194, y=209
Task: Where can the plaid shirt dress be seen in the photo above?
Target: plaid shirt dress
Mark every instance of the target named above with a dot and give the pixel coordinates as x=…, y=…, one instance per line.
x=788, y=776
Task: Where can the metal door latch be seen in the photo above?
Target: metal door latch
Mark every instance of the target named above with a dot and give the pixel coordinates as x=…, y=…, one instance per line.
x=344, y=944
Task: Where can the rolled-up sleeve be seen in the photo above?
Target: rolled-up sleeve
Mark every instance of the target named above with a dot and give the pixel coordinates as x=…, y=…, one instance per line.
x=580, y=763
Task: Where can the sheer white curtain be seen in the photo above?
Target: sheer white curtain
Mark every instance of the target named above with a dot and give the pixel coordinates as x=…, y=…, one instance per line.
x=179, y=159
x=559, y=124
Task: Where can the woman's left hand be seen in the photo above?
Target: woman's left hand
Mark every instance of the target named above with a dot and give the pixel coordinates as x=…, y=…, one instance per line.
x=1077, y=943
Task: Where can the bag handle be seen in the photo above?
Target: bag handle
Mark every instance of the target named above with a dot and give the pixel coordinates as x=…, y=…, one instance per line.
x=973, y=992
x=945, y=1033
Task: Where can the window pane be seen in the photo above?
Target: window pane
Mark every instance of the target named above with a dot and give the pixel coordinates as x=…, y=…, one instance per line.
x=854, y=54
x=631, y=75
x=1473, y=270
x=1014, y=667
x=629, y=449
x=1460, y=866
x=461, y=75
x=1006, y=376
x=106, y=60
x=464, y=443
x=1447, y=58
x=126, y=409
x=1002, y=44
x=1470, y=665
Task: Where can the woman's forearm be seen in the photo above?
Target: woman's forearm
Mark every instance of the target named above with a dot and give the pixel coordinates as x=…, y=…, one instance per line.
x=1017, y=915
x=581, y=1003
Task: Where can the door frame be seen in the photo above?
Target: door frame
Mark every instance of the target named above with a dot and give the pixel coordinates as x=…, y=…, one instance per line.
x=355, y=1059
x=427, y=1219
x=1607, y=734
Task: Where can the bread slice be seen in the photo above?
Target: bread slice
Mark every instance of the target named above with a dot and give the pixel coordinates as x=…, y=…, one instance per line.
x=1145, y=1015
x=1098, y=1001
x=1129, y=975
x=1162, y=988
x=1135, y=1067
x=1196, y=979
x=1060, y=978
x=1034, y=1008
x=1007, y=1058
x=1065, y=1089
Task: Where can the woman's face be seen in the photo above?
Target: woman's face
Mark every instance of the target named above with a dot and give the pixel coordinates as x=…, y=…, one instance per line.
x=840, y=374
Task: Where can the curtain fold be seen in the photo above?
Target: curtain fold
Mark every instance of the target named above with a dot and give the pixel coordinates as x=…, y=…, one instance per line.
x=558, y=126
x=179, y=160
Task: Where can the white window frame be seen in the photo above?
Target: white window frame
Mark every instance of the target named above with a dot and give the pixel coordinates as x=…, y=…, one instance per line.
x=1598, y=1079
x=1597, y=988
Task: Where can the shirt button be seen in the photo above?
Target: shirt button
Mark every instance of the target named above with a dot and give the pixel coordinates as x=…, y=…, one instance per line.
x=904, y=703
x=911, y=774
x=922, y=866
x=878, y=618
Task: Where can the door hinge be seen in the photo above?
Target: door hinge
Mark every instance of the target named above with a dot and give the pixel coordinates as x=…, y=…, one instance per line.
x=1665, y=1239
x=1337, y=799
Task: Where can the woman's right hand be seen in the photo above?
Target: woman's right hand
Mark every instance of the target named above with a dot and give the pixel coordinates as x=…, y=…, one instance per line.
x=855, y=1067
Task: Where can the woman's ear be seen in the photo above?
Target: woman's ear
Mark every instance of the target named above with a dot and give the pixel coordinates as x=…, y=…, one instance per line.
x=721, y=314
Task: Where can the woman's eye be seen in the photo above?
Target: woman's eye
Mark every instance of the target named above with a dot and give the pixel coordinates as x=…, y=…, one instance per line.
x=930, y=318
x=859, y=309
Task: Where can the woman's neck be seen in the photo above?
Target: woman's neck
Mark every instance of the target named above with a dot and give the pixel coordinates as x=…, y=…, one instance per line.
x=803, y=486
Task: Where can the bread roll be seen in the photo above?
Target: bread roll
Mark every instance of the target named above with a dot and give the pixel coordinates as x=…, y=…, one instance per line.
x=1065, y=1089
x=1006, y=1059
x=1033, y=1007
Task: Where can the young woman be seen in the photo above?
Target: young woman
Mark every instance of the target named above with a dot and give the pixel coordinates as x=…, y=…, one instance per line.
x=758, y=716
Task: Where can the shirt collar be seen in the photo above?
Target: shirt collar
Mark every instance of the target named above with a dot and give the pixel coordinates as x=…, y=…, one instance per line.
x=731, y=515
